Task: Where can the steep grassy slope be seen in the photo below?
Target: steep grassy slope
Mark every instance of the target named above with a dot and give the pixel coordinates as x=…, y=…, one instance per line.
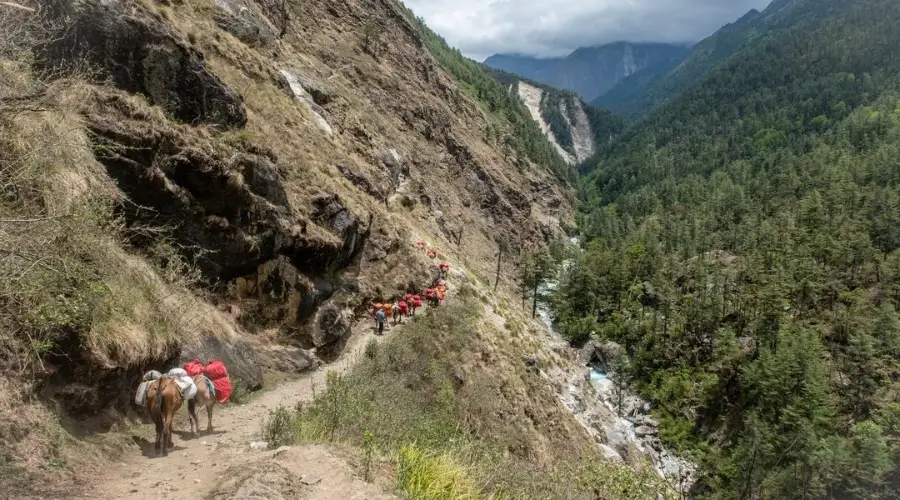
x=522, y=134
x=743, y=245
x=207, y=179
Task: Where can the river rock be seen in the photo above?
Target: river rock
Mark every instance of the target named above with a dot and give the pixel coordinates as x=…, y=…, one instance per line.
x=616, y=438
x=589, y=352
x=644, y=430
x=645, y=420
x=610, y=454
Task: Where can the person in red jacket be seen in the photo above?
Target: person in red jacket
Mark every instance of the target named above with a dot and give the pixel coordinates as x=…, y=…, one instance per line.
x=416, y=303
x=404, y=308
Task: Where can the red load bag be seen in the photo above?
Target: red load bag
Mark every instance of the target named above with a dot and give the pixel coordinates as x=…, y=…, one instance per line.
x=194, y=367
x=223, y=389
x=216, y=372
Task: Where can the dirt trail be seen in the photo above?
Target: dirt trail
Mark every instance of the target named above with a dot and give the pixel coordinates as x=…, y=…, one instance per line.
x=199, y=465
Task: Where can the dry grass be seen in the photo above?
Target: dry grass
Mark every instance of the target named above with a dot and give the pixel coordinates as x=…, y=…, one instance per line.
x=70, y=288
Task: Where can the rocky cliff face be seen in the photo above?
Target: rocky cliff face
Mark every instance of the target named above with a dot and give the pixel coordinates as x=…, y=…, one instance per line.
x=571, y=133
x=292, y=154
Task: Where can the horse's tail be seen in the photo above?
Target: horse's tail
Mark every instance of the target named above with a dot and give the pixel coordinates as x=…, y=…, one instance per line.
x=158, y=404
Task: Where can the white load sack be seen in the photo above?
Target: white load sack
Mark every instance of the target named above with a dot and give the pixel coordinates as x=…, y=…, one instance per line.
x=140, y=397
x=184, y=382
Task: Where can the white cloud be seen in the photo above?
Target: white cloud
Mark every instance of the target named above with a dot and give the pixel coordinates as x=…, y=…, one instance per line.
x=546, y=28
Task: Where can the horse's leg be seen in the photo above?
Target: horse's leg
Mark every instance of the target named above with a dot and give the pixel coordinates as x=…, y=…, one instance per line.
x=166, y=417
x=167, y=426
x=192, y=416
x=158, y=446
x=209, y=412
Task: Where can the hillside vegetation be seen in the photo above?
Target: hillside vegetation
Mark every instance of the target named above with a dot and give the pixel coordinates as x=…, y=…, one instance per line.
x=742, y=242
x=425, y=404
x=233, y=180
x=642, y=92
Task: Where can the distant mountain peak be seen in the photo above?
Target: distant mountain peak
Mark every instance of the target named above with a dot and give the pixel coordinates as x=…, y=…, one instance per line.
x=589, y=71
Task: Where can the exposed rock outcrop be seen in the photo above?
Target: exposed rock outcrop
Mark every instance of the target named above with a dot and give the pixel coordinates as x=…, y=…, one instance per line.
x=138, y=54
x=294, y=85
x=244, y=23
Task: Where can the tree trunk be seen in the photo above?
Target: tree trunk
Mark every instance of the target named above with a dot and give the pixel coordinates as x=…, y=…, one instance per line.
x=534, y=298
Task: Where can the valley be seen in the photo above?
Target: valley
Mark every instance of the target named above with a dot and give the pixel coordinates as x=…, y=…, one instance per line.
x=672, y=267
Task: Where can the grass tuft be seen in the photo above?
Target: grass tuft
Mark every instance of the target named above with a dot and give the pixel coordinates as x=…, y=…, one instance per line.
x=429, y=475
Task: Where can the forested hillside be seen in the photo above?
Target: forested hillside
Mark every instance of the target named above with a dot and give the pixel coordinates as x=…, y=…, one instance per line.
x=743, y=242
x=640, y=93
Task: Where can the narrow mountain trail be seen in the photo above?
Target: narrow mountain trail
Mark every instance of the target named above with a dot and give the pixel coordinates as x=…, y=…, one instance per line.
x=197, y=466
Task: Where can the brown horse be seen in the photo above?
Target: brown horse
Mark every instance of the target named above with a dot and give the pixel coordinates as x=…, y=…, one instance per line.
x=204, y=398
x=163, y=400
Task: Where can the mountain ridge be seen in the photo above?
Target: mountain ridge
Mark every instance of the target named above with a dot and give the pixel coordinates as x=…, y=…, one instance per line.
x=589, y=71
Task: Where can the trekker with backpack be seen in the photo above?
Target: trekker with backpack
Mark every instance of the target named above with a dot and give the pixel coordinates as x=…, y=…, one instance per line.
x=379, y=321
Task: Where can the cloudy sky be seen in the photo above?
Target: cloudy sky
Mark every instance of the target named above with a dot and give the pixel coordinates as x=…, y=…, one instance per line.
x=546, y=28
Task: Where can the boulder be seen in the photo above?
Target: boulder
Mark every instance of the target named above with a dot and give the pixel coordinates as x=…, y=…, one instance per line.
x=330, y=212
x=610, y=454
x=747, y=345
x=392, y=160
x=645, y=430
x=645, y=420
x=606, y=353
x=287, y=359
x=616, y=438
x=330, y=325
x=136, y=52
x=295, y=87
x=240, y=359
x=321, y=94
x=360, y=181
x=589, y=353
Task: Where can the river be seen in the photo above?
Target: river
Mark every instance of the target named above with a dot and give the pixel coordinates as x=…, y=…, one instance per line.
x=629, y=424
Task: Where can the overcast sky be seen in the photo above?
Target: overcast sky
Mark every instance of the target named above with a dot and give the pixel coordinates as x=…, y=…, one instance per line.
x=547, y=28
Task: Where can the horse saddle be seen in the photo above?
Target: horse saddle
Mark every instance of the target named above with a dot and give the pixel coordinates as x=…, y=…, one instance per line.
x=184, y=382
